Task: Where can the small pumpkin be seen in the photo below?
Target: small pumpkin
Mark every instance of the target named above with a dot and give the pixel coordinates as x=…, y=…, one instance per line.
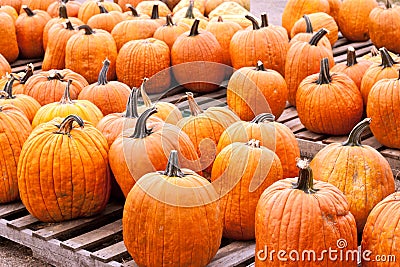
x=90, y=8
x=147, y=8
x=228, y=8
x=124, y=4
x=181, y=13
x=106, y=20
x=170, y=31
x=72, y=8
x=8, y=43
x=375, y=56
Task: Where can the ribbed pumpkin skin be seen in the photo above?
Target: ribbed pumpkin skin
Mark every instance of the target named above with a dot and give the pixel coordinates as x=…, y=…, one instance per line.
x=170, y=31
x=72, y=8
x=9, y=10
x=28, y=105
x=54, y=21
x=353, y=19
x=37, y=4
x=334, y=7
x=62, y=177
x=16, y=4
x=4, y=65
x=381, y=232
x=248, y=171
x=106, y=21
x=146, y=58
x=8, y=44
x=90, y=8
x=15, y=129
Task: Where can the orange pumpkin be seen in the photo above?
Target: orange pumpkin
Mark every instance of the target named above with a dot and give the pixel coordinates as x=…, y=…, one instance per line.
x=133, y=14
x=147, y=8
x=124, y=4
x=4, y=66
x=334, y=7
x=36, y=5
x=90, y=8
x=16, y=4
x=106, y=20
x=72, y=8
x=9, y=10
x=18, y=85
x=170, y=31
x=8, y=44
x=191, y=15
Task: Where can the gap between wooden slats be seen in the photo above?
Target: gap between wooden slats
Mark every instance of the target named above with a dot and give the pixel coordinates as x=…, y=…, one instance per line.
x=22, y=222
x=9, y=209
x=234, y=254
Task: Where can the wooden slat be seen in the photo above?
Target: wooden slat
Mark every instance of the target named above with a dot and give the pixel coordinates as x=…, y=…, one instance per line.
x=131, y=263
x=391, y=153
x=22, y=222
x=9, y=209
x=93, y=237
x=335, y=139
x=67, y=227
x=288, y=114
x=359, y=52
x=307, y=135
x=340, y=42
x=372, y=142
x=37, y=66
x=110, y=253
x=24, y=62
x=295, y=125
x=343, y=49
x=234, y=254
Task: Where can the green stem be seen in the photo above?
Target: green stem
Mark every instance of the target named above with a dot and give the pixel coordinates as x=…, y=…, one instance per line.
x=141, y=130
x=195, y=28
x=263, y=117
x=264, y=20
x=309, y=27
x=102, y=80
x=88, y=30
x=318, y=36
x=131, y=106
x=62, y=11
x=154, y=13
x=189, y=12
x=66, y=125
x=28, y=11
x=193, y=106
x=133, y=10
x=324, y=75
x=305, y=181
x=351, y=57
x=28, y=73
x=256, y=26
x=354, y=138
x=387, y=60
x=66, y=98
x=173, y=169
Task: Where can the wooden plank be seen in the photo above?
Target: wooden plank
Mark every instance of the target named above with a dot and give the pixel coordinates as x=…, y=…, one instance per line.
x=37, y=66
x=360, y=52
x=110, y=253
x=335, y=139
x=67, y=227
x=308, y=135
x=343, y=49
x=24, y=62
x=251, y=264
x=233, y=254
x=340, y=42
x=295, y=125
x=12, y=208
x=93, y=237
x=372, y=142
x=22, y=222
x=288, y=114
x=391, y=153
x=131, y=263
x=308, y=149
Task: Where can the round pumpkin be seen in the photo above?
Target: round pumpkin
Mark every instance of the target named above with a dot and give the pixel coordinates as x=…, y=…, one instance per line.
x=329, y=103
x=82, y=108
x=192, y=222
x=375, y=56
x=90, y=8
x=36, y=5
x=8, y=44
x=9, y=10
x=4, y=66
x=124, y=4
x=210, y=5
x=359, y=171
x=132, y=13
x=199, y=4
x=72, y=8
x=228, y=8
x=170, y=31
x=243, y=165
x=183, y=12
x=106, y=20
x=60, y=153
x=302, y=214
x=147, y=7
x=18, y=85
x=191, y=15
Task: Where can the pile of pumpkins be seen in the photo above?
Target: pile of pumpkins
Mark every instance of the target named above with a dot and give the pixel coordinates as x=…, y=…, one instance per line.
x=71, y=129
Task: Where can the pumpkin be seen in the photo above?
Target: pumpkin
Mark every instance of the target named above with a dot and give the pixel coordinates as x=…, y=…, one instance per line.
x=138, y=59
x=10, y=11
x=268, y=44
x=295, y=9
x=198, y=4
x=190, y=17
x=105, y=20
x=382, y=22
x=170, y=31
x=272, y=135
x=146, y=150
x=191, y=220
x=90, y=8
x=166, y=111
x=155, y=15
x=62, y=17
x=375, y=56
x=241, y=20
x=29, y=37
x=82, y=108
x=318, y=20
x=20, y=79
x=4, y=66
x=8, y=44
x=15, y=129
x=243, y=165
x=340, y=108
x=54, y=57
x=133, y=14
x=210, y=5
x=16, y=4
x=114, y=124
x=181, y=13
x=48, y=87
x=147, y=8
x=252, y=91
x=200, y=50
x=93, y=47
x=353, y=19
x=124, y=4
x=386, y=70
x=304, y=58
x=228, y=8
x=28, y=105
x=334, y=7
x=110, y=97
x=135, y=29
x=353, y=68
x=74, y=159
x=380, y=233
x=72, y=8
x=358, y=171
x=224, y=31
x=36, y=5
x=295, y=214
x=204, y=129
x=382, y=109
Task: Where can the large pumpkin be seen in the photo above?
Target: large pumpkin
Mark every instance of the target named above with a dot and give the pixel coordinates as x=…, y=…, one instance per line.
x=302, y=214
x=170, y=31
x=106, y=20
x=329, y=103
x=8, y=42
x=90, y=8
x=59, y=162
x=15, y=129
x=189, y=231
x=243, y=165
x=359, y=171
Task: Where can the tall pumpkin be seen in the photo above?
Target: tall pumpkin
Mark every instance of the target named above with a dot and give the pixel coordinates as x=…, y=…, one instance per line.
x=86, y=50
x=329, y=103
x=298, y=214
x=15, y=129
x=189, y=231
x=8, y=43
x=237, y=166
x=61, y=159
x=359, y=171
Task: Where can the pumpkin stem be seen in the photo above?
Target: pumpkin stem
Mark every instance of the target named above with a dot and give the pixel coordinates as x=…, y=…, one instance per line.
x=141, y=130
x=66, y=126
x=131, y=105
x=7, y=93
x=64, y=1
x=102, y=8
x=189, y=12
x=253, y=143
x=374, y=51
x=264, y=20
x=195, y=28
x=62, y=11
x=260, y=66
x=145, y=97
x=256, y=26
x=387, y=60
x=154, y=12
x=309, y=27
x=28, y=73
x=220, y=19
x=173, y=169
x=305, y=181
x=28, y=11
x=318, y=36
x=388, y=4
x=351, y=57
x=354, y=138
x=324, y=75
x=66, y=98
x=68, y=25
x=169, y=21
x=193, y=106
x=133, y=10
x=102, y=80
x=263, y=117
x=54, y=74
x=88, y=30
